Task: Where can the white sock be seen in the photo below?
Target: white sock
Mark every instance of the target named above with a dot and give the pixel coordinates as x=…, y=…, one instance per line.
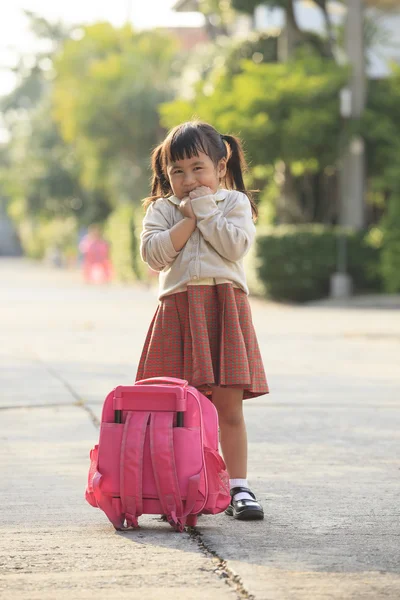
x=240, y=483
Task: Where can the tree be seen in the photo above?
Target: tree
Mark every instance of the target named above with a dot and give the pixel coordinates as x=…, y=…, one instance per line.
x=218, y=17
x=39, y=176
x=106, y=93
x=294, y=40
x=286, y=113
x=380, y=127
x=33, y=71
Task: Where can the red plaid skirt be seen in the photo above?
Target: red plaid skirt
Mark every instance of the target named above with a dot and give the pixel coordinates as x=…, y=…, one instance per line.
x=206, y=336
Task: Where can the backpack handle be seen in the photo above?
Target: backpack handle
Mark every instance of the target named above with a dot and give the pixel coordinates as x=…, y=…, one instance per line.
x=167, y=380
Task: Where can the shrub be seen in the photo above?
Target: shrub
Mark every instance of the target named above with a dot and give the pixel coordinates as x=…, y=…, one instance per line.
x=40, y=236
x=390, y=257
x=251, y=265
x=122, y=230
x=296, y=262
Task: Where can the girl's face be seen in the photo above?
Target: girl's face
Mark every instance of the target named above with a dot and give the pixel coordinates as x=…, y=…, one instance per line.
x=190, y=173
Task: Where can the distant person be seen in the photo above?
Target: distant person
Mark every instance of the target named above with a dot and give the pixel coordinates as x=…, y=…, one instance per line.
x=96, y=257
x=197, y=229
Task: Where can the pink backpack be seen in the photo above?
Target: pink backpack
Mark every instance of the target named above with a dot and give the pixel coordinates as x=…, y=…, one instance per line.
x=157, y=454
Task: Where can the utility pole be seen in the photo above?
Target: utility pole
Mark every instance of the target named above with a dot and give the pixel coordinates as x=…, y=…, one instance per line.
x=353, y=170
x=352, y=162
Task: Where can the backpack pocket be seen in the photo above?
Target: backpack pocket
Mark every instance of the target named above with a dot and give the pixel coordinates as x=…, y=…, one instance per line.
x=218, y=483
x=89, y=494
x=109, y=457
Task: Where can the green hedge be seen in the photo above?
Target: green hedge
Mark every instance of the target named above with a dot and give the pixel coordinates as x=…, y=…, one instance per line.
x=122, y=231
x=391, y=245
x=295, y=263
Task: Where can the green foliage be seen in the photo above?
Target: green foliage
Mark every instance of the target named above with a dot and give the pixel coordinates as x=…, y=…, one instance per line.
x=48, y=183
x=262, y=178
x=83, y=120
x=252, y=263
x=53, y=33
x=220, y=10
x=296, y=262
x=203, y=70
x=34, y=72
x=51, y=185
x=390, y=263
x=111, y=114
x=259, y=47
x=39, y=236
x=248, y=6
x=122, y=230
x=380, y=127
x=288, y=114
x=283, y=111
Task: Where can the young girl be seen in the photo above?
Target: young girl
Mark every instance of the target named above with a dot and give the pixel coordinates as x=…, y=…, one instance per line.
x=197, y=229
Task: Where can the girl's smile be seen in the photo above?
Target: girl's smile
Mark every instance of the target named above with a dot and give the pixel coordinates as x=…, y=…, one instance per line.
x=198, y=171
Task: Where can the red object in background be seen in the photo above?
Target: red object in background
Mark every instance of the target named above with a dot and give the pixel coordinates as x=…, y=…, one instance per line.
x=97, y=266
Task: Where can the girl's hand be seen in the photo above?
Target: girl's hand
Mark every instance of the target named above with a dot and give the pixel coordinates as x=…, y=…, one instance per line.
x=186, y=208
x=200, y=192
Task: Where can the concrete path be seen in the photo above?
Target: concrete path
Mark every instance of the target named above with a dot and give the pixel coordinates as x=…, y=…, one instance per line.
x=324, y=454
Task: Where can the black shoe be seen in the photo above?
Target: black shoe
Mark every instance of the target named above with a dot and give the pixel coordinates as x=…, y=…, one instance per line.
x=244, y=510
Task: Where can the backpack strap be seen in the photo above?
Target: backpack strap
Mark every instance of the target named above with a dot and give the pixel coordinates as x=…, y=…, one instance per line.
x=131, y=466
x=164, y=467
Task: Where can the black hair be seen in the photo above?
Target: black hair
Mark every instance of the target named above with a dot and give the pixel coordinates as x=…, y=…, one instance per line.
x=188, y=140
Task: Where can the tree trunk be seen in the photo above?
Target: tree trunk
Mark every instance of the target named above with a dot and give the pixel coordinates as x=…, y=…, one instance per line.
x=291, y=34
x=322, y=4
x=329, y=30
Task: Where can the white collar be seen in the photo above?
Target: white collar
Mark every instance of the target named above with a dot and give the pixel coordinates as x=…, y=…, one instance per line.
x=219, y=196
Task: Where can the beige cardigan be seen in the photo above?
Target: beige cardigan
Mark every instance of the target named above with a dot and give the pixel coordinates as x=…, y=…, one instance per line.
x=224, y=234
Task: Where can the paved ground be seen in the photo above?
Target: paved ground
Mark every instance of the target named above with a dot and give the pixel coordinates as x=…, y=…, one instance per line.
x=324, y=453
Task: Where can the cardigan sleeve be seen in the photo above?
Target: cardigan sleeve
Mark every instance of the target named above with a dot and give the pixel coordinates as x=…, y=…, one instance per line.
x=156, y=248
x=232, y=234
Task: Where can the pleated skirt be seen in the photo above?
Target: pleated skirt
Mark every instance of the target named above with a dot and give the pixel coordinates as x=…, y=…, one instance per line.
x=206, y=336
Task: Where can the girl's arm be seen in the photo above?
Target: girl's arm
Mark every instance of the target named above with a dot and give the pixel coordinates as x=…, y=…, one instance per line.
x=160, y=243
x=181, y=232
x=231, y=235
x=156, y=248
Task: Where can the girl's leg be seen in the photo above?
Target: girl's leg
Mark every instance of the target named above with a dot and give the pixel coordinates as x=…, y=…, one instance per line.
x=229, y=404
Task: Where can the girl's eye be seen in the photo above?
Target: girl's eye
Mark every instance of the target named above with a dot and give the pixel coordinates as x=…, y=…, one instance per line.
x=198, y=168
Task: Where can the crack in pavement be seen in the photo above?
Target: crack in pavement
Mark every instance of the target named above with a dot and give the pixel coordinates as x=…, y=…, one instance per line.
x=222, y=570
x=79, y=401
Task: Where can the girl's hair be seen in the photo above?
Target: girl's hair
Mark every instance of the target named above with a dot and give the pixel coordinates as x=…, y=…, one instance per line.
x=187, y=140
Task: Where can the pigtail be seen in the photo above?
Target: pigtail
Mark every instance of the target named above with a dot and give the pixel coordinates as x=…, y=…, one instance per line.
x=160, y=186
x=235, y=167
x=187, y=140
